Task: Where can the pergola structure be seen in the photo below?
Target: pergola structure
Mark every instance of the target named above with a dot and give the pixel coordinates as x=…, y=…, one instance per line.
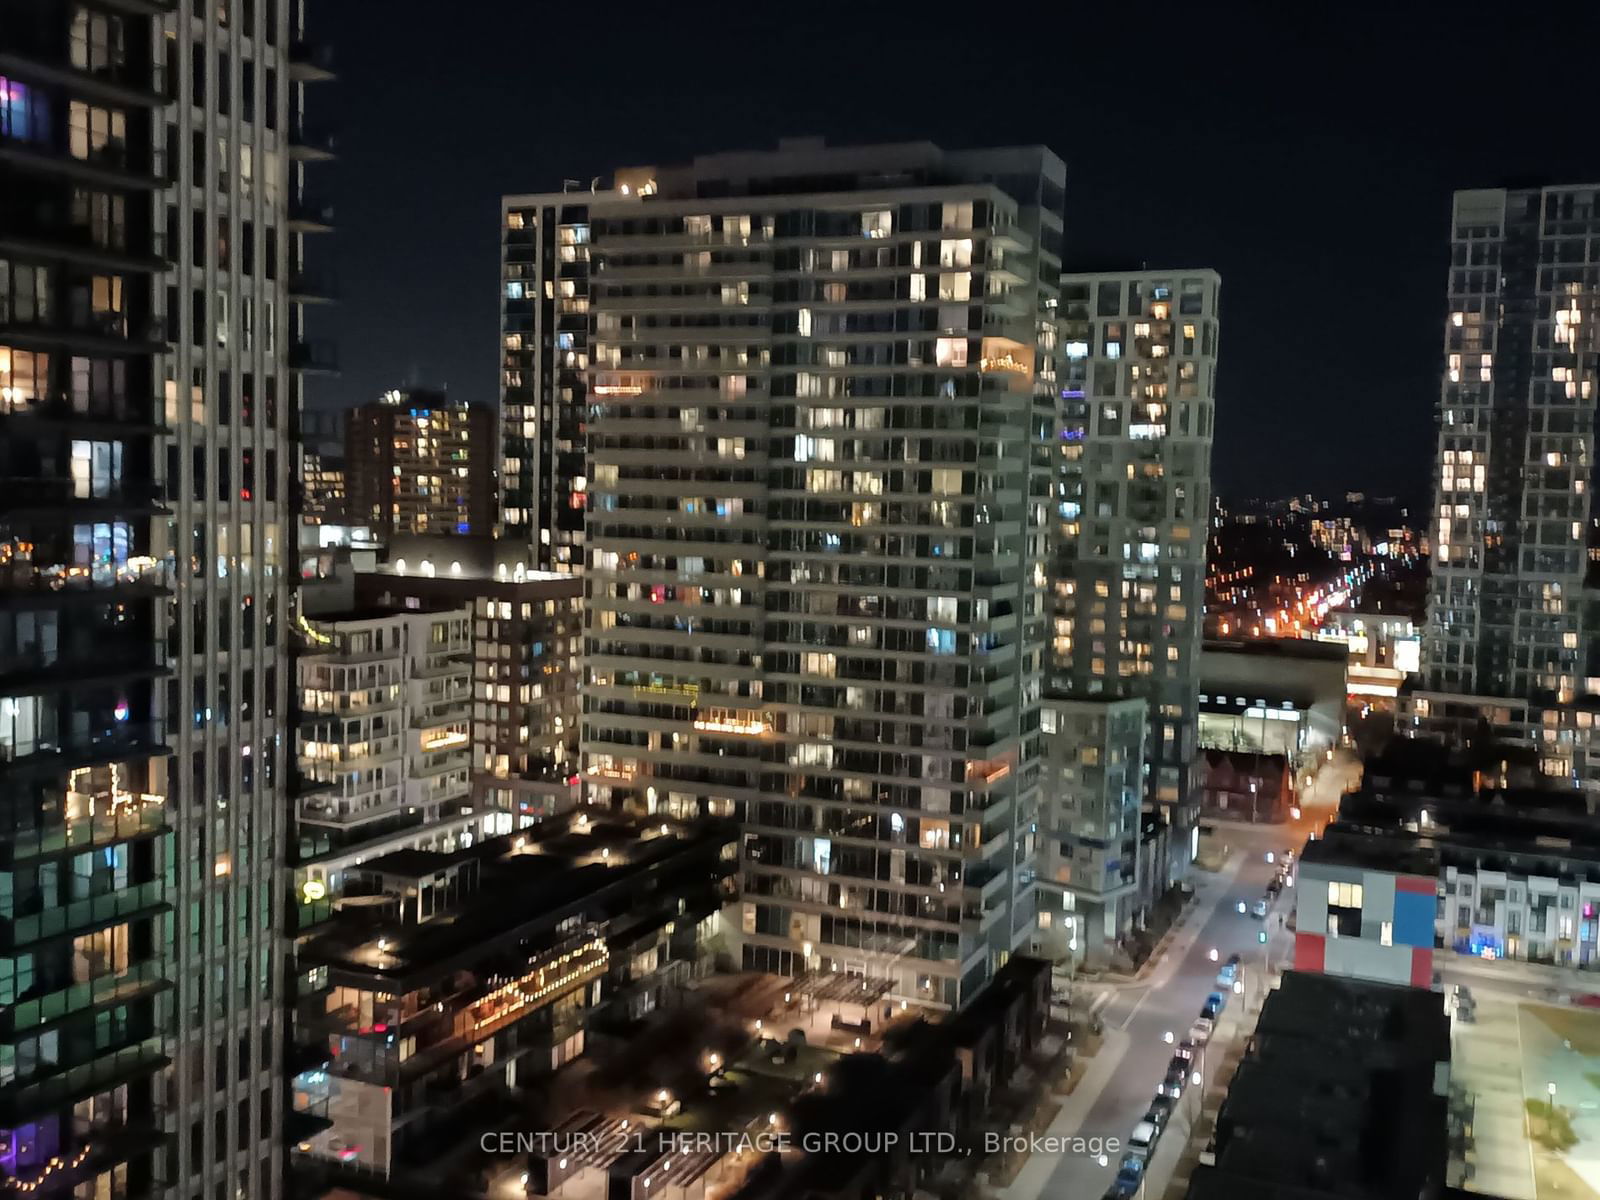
x=835, y=988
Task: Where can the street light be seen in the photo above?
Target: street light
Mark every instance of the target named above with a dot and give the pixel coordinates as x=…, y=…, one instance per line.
x=1167, y=1037
x=1213, y=954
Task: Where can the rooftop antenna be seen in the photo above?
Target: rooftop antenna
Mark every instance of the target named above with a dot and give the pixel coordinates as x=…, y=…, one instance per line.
x=594, y=184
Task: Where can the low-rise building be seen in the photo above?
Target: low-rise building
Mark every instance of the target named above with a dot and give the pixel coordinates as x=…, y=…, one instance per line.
x=1384, y=649
x=526, y=632
x=1242, y=785
x=442, y=980
x=1278, y=696
x=935, y=1078
x=1365, y=909
x=1342, y=1094
x=383, y=746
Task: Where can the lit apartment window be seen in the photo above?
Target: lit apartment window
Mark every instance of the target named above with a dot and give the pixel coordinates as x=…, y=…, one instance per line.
x=951, y=352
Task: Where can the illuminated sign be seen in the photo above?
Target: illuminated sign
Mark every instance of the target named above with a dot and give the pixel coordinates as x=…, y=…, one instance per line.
x=313, y=890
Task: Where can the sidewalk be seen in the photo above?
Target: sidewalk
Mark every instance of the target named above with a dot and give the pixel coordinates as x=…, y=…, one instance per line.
x=1035, y=1174
x=1487, y=1061
x=1511, y=973
x=1176, y=941
x=1032, y=1180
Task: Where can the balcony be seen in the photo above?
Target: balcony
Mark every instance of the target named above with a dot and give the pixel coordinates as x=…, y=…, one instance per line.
x=119, y=659
x=143, y=8
x=109, y=333
x=23, y=580
x=62, y=497
x=23, y=1102
x=140, y=978
x=133, y=83
x=310, y=145
x=113, y=164
x=312, y=287
x=310, y=62
x=313, y=358
x=82, y=748
x=122, y=417
x=122, y=818
x=26, y=230
x=310, y=216
x=138, y=900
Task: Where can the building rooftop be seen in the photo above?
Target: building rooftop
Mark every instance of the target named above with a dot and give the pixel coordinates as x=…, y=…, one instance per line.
x=479, y=557
x=1300, y=648
x=522, y=884
x=1342, y=1093
x=1343, y=846
x=1482, y=828
x=411, y=864
x=356, y=613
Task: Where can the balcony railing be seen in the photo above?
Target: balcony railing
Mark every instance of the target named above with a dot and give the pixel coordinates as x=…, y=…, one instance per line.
x=25, y=576
x=311, y=145
x=55, y=1005
x=312, y=287
x=122, y=740
x=64, y=918
x=310, y=216
x=313, y=358
x=27, y=493
x=310, y=62
x=103, y=1073
x=127, y=820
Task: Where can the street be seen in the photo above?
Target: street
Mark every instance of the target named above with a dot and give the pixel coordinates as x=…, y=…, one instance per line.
x=1170, y=999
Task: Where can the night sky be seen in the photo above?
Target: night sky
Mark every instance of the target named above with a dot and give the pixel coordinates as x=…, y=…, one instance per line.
x=1311, y=165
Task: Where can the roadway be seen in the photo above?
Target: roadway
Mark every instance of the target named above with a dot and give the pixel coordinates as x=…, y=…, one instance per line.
x=1170, y=999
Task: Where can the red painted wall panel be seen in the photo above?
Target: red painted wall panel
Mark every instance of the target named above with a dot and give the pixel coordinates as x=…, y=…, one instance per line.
x=1310, y=951
x=1422, y=966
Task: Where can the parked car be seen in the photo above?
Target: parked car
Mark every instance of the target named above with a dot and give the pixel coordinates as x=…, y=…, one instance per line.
x=1160, y=1111
x=1186, y=1050
x=1200, y=1031
x=1208, y=1156
x=1215, y=1003
x=1142, y=1141
x=1233, y=961
x=1131, y=1171
x=1227, y=975
x=1176, y=1079
x=1259, y=910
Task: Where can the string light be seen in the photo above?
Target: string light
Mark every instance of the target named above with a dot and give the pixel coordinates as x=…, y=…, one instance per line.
x=50, y=1168
x=593, y=952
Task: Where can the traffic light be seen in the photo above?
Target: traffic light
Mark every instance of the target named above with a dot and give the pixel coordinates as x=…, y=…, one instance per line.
x=1261, y=936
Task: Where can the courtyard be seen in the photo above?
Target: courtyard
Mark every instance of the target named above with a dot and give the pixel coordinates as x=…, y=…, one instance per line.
x=1532, y=1073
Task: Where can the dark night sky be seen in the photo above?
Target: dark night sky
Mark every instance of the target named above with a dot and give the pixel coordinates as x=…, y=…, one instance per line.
x=1311, y=165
